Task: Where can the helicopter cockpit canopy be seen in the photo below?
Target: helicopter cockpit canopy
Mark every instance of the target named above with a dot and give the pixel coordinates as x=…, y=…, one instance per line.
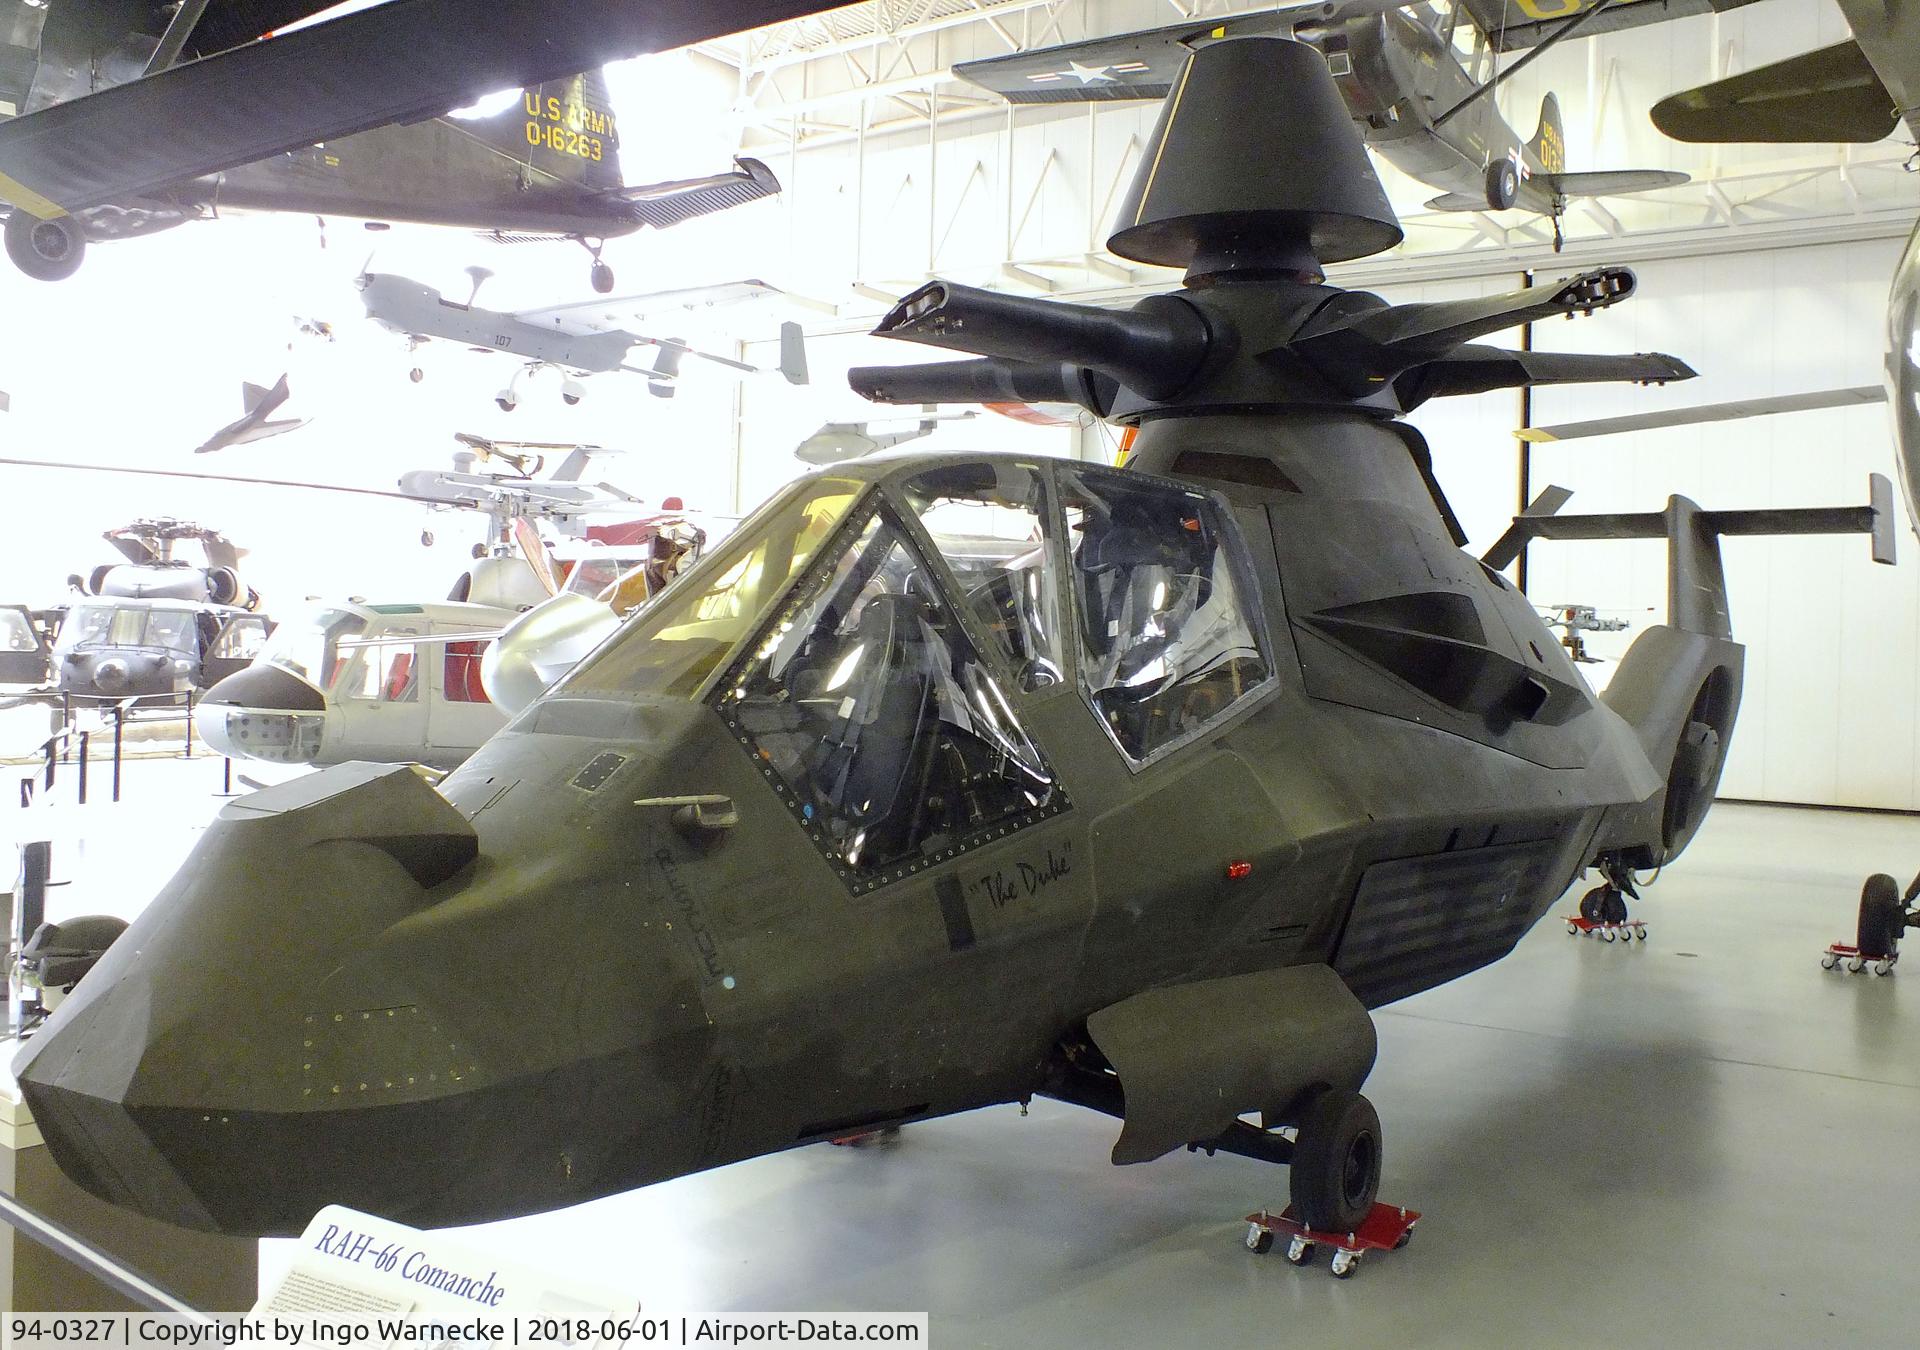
x=132, y=626
x=870, y=643
x=308, y=645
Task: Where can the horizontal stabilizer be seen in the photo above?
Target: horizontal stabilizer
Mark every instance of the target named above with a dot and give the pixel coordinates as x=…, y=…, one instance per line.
x=1875, y=519
x=664, y=204
x=1829, y=95
x=1609, y=182
x=1707, y=412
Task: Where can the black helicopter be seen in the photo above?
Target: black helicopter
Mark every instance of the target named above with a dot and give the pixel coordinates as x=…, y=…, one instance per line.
x=545, y=166
x=948, y=780
x=157, y=626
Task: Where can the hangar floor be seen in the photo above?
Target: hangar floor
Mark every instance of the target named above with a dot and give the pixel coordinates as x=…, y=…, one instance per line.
x=1703, y=1137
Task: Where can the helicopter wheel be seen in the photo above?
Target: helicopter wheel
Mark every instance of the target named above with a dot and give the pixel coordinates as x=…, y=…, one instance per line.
x=416, y=375
x=1335, y=1172
x=46, y=250
x=602, y=277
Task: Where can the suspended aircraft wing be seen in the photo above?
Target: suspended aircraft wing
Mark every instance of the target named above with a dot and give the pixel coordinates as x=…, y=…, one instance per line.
x=1709, y=412
x=1833, y=94
x=1512, y=24
x=611, y=314
x=1139, y=65
x=402, y=61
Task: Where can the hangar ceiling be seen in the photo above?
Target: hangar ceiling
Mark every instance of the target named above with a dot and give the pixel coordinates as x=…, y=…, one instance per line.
x=879, y=75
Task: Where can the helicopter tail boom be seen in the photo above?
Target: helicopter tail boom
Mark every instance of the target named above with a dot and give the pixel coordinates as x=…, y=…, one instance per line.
x=1678, y=687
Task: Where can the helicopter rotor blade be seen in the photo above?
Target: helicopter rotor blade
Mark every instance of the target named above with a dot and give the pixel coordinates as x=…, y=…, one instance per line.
x=534, y=550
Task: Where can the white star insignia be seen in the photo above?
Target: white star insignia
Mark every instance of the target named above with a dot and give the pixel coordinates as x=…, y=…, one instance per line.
x=1089, y=74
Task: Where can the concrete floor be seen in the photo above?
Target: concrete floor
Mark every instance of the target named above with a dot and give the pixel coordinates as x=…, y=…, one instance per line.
x=1701, y=1138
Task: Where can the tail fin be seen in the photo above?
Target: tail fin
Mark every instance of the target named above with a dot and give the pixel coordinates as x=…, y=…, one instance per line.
x=1549, y=143
x=793, y=353
x=564, y=127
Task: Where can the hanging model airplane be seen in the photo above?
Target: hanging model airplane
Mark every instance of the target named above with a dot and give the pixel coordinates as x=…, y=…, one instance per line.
x=578, y=339
x=950, y=780
x=1403, y=81
x=294, y=122
x=255, y=422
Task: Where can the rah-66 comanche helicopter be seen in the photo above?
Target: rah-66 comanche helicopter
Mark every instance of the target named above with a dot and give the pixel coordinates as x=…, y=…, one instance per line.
x=576, y=339
x=548, y=166
x=949, y=780
x=1404, y=85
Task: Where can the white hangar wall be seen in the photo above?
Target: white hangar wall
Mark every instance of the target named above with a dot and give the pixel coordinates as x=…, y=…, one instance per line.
x=1831, y=680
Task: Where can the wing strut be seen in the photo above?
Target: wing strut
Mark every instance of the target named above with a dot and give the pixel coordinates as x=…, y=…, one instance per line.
x=1552, y=39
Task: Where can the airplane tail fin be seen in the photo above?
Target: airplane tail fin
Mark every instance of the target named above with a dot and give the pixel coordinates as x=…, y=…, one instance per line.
x=564, y=127
x=1549, y=143
x=793, y=353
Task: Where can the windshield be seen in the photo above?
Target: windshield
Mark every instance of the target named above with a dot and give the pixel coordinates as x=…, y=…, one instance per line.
x=113, y=626
x=672, y=646
x=309, y=645
x=16, y=634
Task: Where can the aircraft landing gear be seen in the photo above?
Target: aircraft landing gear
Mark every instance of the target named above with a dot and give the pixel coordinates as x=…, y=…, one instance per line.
x=1884, y=917
x=1335, y=1171
x=46, y=250
x=1603, y=910
x=599, y=274
x=1333, y=1180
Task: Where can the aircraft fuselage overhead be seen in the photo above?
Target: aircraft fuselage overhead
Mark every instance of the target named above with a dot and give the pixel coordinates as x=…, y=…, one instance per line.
x=545, y=166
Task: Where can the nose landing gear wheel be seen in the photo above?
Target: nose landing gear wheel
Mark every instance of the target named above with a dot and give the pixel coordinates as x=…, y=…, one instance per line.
x=1335, y=1172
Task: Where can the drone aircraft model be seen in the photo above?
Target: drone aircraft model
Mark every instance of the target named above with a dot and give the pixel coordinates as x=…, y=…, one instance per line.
x=545, y=167
x=1403, y=81
x=576, y=339
x=949, y=780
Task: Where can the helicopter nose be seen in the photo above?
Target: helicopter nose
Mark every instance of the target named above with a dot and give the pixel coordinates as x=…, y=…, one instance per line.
x=224, y=1035
x=264, y=713
x=112, y=676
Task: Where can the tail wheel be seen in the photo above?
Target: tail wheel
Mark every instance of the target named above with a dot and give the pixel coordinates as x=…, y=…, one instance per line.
x=1593, y=903
x=1882, y=917
x=1503, y=185
x=46, y=250
x=1335, y=1172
